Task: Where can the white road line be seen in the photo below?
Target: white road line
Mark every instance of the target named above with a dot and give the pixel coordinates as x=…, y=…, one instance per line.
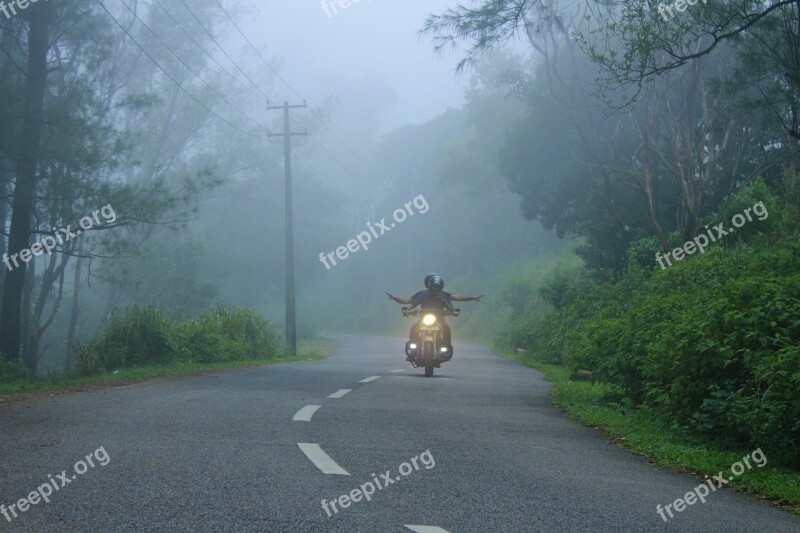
x=305, y=414
x=426, y=529
x=395, y=371
x=371, y=378
x=339, y=393
x=321, y=459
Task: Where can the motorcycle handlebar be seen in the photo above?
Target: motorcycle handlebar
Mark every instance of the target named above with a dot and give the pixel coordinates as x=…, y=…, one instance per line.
x=445, y=312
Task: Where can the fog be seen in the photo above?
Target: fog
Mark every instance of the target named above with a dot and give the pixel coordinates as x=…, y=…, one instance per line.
x=217, y=213
x=323, y=56
x=517, y=141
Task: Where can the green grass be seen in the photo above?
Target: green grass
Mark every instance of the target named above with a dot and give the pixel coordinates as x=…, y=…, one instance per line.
x=311, y=350
x=644, y=433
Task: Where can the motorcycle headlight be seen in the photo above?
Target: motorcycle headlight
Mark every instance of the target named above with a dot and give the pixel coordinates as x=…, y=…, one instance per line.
x=429, y=320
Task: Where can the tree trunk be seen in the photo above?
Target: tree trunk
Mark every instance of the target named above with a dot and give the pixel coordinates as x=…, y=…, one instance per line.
x=54, y=271
x=3, y=250
x=69, y=362
x=25, y=183
x=25, y=328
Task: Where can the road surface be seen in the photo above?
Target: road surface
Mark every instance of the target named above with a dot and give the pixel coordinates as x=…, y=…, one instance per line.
x=479, y=447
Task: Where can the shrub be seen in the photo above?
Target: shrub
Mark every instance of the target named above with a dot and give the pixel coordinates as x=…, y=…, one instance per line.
x=712, y=342
x=13, y=371
x=136, y=337
x=251, y=332
x=144, y=335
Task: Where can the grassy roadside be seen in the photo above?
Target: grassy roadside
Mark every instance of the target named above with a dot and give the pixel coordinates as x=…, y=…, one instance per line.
x=644, y=433
x=308, y=350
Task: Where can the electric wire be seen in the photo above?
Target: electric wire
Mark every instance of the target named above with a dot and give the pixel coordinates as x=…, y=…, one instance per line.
x=205, y=52
x=214, y=89
x=172, y=79
x=291, y=89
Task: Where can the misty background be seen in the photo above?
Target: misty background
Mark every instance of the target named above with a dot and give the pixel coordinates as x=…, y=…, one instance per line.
x=387, y=120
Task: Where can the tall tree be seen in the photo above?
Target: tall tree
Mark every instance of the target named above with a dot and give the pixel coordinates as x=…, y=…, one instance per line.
x=38, y=18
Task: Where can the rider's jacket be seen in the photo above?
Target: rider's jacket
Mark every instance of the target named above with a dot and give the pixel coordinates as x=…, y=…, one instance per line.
x=431, y=301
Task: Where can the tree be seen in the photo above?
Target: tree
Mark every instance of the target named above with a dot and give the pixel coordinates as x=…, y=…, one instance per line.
x=38, y=18
x=589, y=169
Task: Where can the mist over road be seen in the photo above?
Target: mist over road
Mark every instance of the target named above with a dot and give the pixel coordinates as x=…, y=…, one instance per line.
x=246, y=450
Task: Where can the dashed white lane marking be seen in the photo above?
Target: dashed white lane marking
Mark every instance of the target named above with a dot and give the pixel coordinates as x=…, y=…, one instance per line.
x=305, y=414
x=371, y=378
x=426, y=529
x=395, y=371
x=321, y=459
x=339, y=393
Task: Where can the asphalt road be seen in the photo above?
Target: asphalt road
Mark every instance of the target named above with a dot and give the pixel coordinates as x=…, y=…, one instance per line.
x=478, y=447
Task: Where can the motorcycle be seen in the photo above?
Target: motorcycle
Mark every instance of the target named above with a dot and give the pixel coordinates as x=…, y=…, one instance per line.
x=429, y=349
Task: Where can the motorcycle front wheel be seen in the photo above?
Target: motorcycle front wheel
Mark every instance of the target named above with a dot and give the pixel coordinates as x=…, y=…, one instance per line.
x=427, y=358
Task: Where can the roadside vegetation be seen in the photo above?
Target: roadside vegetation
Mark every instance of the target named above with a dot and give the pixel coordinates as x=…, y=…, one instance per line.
x=143, y=342
x=654, y=436
x=692, y=365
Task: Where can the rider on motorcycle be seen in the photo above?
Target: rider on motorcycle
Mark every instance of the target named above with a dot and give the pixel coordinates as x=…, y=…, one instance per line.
x=433, y=299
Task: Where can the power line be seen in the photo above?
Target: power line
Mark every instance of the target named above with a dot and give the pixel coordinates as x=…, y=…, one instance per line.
x=222, y=96
x=210, y=36
x=314, y=178
x=314, y=142
x=206, y=52
x=335, y=159
x=269, y=101
x=278, y=76
x=173, y=80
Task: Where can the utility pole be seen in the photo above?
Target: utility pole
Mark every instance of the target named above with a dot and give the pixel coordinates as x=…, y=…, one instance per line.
x=291, y=330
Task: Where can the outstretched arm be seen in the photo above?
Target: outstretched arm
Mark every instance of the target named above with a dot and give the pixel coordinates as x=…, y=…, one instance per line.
x=399, y=300
x=458, y=298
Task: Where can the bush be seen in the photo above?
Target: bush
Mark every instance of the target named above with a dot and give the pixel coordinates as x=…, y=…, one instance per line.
x=711, y=342
x=136, y=337
x=226, y=334
x=144, y=336
x=13, y=371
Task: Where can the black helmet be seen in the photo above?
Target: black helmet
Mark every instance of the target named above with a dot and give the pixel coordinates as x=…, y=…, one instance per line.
x=436, y=284
x=428, y=279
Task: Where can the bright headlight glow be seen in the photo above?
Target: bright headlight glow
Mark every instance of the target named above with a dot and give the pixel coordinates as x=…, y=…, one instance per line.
x=429, y=320
x=413, y=346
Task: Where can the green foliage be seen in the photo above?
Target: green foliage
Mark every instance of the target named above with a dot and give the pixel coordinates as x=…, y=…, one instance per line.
x=138, y=336
x=530, y=305
x=650, y=434
x=769, y=209
x=712, y=342
x=11, y=371
x=143, y=336
x=228, y=334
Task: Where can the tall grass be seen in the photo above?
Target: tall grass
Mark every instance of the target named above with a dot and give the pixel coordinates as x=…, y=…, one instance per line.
x=142, y=336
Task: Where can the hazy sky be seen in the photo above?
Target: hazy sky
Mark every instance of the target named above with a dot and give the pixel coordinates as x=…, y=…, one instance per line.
x=373, y=37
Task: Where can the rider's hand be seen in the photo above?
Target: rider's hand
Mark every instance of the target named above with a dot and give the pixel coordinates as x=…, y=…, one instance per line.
x=478, y=298
x=391, y=297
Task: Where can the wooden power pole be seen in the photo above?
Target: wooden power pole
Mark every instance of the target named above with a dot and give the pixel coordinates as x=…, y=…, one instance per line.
x=291, y=329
